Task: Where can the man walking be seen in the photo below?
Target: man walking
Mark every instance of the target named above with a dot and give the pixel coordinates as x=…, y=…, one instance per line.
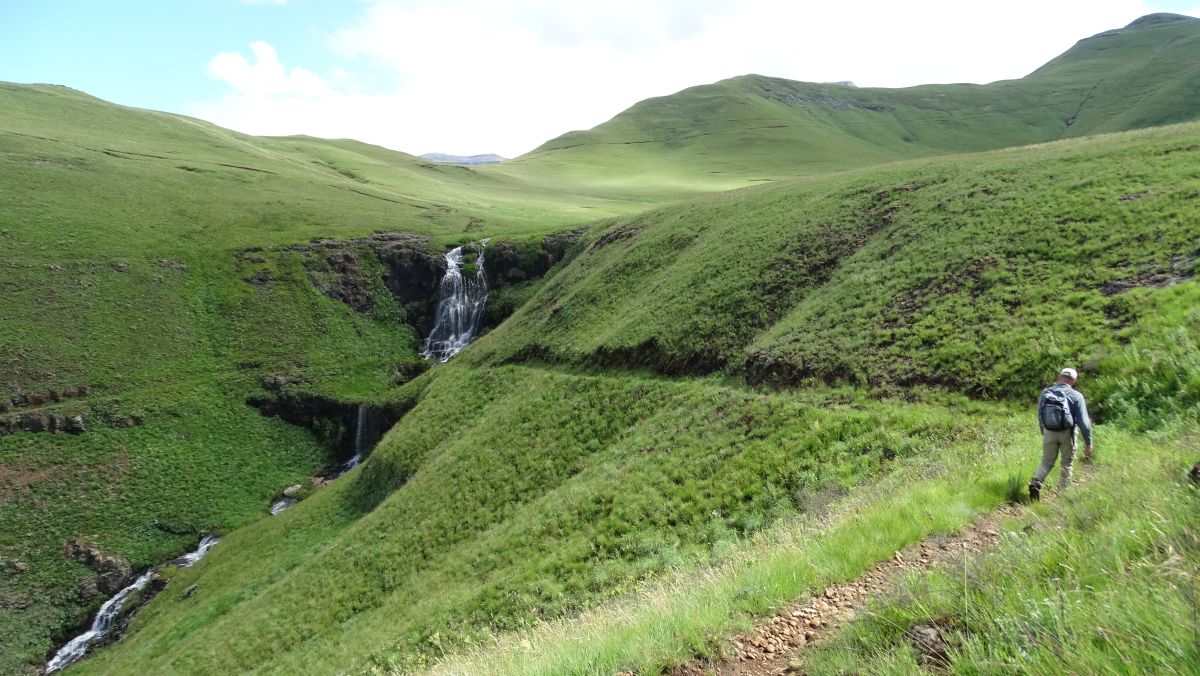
x=1061, y=409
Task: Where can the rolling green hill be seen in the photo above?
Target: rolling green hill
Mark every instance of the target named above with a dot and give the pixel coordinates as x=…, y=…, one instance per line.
x=752, y=128
x=521, y=488
x=155, y=271
x=682, y=371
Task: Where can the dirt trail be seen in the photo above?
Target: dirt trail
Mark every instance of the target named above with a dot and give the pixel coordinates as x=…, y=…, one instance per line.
x=776, y=644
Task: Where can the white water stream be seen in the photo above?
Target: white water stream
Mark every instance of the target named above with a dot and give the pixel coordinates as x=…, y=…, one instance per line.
x=460, y=307
x=74, y=650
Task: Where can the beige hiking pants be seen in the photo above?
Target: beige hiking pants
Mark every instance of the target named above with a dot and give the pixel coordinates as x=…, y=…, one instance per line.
x=1054, y=444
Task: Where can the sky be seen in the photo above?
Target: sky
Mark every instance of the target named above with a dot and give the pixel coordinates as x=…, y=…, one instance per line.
x=503, y=76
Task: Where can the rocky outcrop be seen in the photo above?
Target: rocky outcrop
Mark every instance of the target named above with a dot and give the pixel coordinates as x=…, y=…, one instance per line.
x=113, y=572
x=334, y=423
x=42, y=421
x=410, y=268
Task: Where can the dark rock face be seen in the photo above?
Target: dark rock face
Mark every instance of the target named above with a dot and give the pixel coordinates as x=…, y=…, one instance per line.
x=36, y=421
x=412, y=273
x=510, y=262
x=74, y=425
x=348, y=285
x=41, y=421
x=113, y=572
x=1194, y=474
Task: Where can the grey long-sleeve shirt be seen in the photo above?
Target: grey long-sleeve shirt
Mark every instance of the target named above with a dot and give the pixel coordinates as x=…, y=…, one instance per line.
x=1078, y=410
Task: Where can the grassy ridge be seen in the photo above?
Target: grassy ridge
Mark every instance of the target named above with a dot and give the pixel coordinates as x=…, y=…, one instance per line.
x=975, y=274
x=1100, y=581
x=516, y=493
x=123, y=270
x=125, y=232
x=748, y=129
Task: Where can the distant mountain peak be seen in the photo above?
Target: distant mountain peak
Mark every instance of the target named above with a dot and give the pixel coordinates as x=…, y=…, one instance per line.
x=1159, y=18
x=468, y=160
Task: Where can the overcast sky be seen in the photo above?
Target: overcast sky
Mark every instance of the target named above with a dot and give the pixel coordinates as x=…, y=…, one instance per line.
x=477, y=76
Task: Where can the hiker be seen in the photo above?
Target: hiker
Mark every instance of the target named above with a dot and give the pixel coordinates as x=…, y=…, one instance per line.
x=1061, y=409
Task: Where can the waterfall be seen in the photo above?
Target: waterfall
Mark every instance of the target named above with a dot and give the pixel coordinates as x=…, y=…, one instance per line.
x=74, y=650
x=282, y=504
x=359, y=428
x=460, y=307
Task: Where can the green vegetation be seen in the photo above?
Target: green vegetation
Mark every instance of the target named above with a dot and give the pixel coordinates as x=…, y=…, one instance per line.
x=750, y=129
x=513, y=494
x=852, y=342
x=978, y=274
x=1101, y=581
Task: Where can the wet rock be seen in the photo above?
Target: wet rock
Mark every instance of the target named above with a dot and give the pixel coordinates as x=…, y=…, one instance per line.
x=929, y=644
x=113, y=572
x=87, y=589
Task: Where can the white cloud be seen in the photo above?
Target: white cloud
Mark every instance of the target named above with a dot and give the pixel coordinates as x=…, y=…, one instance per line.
x=266, y=77
x=505, y=75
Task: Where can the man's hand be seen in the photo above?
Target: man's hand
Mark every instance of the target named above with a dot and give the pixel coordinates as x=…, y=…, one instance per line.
x=1087, y=452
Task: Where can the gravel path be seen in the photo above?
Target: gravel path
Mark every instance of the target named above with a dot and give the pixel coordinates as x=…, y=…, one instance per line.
x=774, y=646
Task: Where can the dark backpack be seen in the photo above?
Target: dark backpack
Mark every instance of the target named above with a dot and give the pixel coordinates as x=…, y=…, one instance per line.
x=1055, y=411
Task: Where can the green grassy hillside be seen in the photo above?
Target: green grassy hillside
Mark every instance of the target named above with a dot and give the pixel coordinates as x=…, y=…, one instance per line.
x=978, y=273
x=151, y=278
x=515, y=493
x=751, y=129
x=159, y=272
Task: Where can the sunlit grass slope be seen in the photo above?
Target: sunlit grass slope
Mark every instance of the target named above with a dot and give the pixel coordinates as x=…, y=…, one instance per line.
x=978, y=273
x=517, y=492
x=120, y=272
x=514, y=494
x=752, y=128
x=1103, y=581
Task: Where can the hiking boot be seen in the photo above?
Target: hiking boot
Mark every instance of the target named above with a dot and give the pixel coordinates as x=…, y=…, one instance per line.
x=1035, y=490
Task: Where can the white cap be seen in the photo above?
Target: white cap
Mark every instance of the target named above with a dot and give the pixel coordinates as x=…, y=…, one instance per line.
x=1070, y=373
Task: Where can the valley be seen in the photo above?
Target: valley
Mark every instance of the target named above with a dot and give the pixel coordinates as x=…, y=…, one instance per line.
x=734, y=345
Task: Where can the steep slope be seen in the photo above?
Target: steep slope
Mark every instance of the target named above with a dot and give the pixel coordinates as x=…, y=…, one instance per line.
x=156, y=272
x=753, y=128
x=976, y=273
x=514, y=492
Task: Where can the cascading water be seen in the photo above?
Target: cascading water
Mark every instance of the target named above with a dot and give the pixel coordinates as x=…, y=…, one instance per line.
x=460, y=307
x=282, y=504
x=74, y=650
x=360, y=433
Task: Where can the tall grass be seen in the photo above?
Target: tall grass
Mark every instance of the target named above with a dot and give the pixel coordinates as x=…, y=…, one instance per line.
x=694, y=609
x=1105, y=580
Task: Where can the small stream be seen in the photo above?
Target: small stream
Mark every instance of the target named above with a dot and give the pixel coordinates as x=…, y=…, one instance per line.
x=359, y=446
x=77, y=647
